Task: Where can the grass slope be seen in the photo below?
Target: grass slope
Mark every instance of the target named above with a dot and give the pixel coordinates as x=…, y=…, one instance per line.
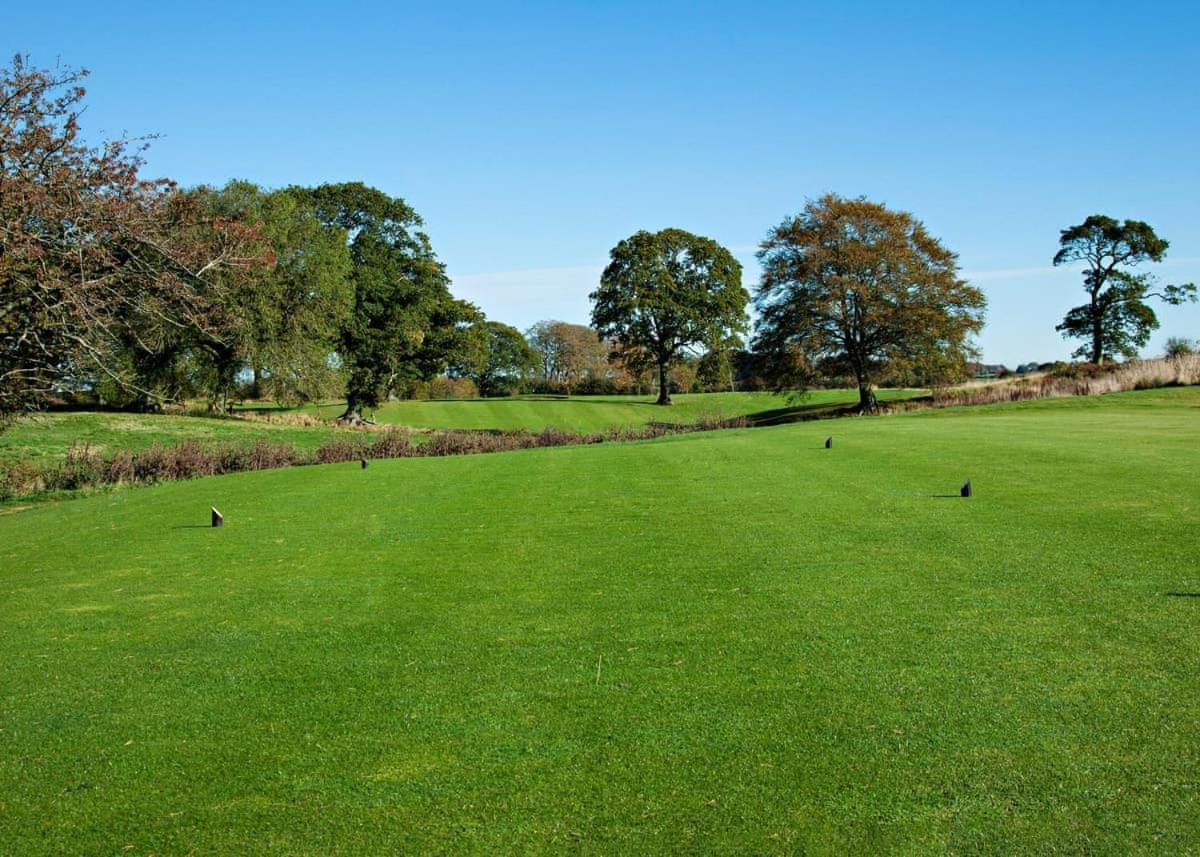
x=50, y=435
x=596, y=413
x=732, y=642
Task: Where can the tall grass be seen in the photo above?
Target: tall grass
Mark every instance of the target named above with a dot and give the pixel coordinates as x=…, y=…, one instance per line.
x=1078, y=380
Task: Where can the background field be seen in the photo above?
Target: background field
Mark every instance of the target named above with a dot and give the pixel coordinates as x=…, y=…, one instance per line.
x=596, y=413
x=50, y=435
x=735, y=641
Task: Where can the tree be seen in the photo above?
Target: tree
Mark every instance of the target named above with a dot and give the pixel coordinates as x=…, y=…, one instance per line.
x=1116, y=320
x=501, y=361
x=1179, y=346
x=568, y=353
x=853, y=289
x=291, y=314
x=100, y=269
x=667, y=291
x=715, y=369
x=404, y=319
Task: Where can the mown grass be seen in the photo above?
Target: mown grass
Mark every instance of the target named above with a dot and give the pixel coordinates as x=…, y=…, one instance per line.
x=731, y=642
x=50, y=435
x=597, y=413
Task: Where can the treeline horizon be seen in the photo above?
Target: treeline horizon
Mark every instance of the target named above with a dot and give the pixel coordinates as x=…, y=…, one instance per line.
x=138, y=292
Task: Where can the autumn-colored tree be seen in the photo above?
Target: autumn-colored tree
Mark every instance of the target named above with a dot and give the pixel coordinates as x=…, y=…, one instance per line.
x=1116, y=320
x=852, y=288
x=568, y=353
x=667, y=291
x=98, y=266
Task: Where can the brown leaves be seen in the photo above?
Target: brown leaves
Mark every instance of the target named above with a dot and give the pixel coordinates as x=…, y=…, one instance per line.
x=94, y=258
x=861, y=291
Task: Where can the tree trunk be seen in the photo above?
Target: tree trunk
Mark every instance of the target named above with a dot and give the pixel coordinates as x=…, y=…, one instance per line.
x=256, y=389
x=353, y=412
x=867, y=403
x=1097, y=341
x=664, y=386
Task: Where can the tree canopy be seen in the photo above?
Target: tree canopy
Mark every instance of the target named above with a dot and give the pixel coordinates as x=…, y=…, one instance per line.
x=291, y=314
x=101, y=270
x=1116, y=320
x=404, y=321
x=568, y=353
x=663, y=292
x=498, y=360
x=853, y=289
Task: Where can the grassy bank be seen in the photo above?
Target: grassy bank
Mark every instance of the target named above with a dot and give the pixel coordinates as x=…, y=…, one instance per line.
x=597, y=413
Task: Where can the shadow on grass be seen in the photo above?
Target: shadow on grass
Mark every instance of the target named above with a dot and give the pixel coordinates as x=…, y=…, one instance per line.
x=1184, y=594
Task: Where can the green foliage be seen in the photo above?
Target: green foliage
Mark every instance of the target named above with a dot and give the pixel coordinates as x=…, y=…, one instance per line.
x=104, y=276
x=852, y=289
x=667, y=291
x=404, y=324
x=1116, y=320
x=499, y=360
x=1178, y=346
x=809, y=653
x=290, y=315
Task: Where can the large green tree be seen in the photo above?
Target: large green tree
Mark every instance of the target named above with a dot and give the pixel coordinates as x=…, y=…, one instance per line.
x=499, y=359
x=851, y=288
x=664, y=292
x=1116, y=320
x=404, y=323
x=292, y=313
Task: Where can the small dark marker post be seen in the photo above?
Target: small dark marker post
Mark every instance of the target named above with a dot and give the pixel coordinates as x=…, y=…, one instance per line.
x=966, y=489
x=217, y=518
x=829, y=443
x=364, y=463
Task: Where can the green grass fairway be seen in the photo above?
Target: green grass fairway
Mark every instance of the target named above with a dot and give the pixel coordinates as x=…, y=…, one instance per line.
x=597, y=413
x=50, y=435
x=732, y=642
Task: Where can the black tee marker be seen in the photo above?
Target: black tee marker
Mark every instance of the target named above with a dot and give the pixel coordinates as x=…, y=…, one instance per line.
x=217, y=518
x=364, y=463
x=829, y=442
x=966, y=489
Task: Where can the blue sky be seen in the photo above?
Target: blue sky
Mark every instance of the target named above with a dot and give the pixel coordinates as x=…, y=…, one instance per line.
x=532, y=137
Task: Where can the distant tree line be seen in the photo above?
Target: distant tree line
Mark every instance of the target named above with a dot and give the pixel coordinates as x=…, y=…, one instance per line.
x=136, y=292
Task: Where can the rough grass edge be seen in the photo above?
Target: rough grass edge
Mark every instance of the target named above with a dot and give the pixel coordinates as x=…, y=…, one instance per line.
x=1075, y=380
x=87, y=468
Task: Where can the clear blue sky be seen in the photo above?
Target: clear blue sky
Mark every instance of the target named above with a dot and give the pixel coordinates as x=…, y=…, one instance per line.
x=532, y=137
